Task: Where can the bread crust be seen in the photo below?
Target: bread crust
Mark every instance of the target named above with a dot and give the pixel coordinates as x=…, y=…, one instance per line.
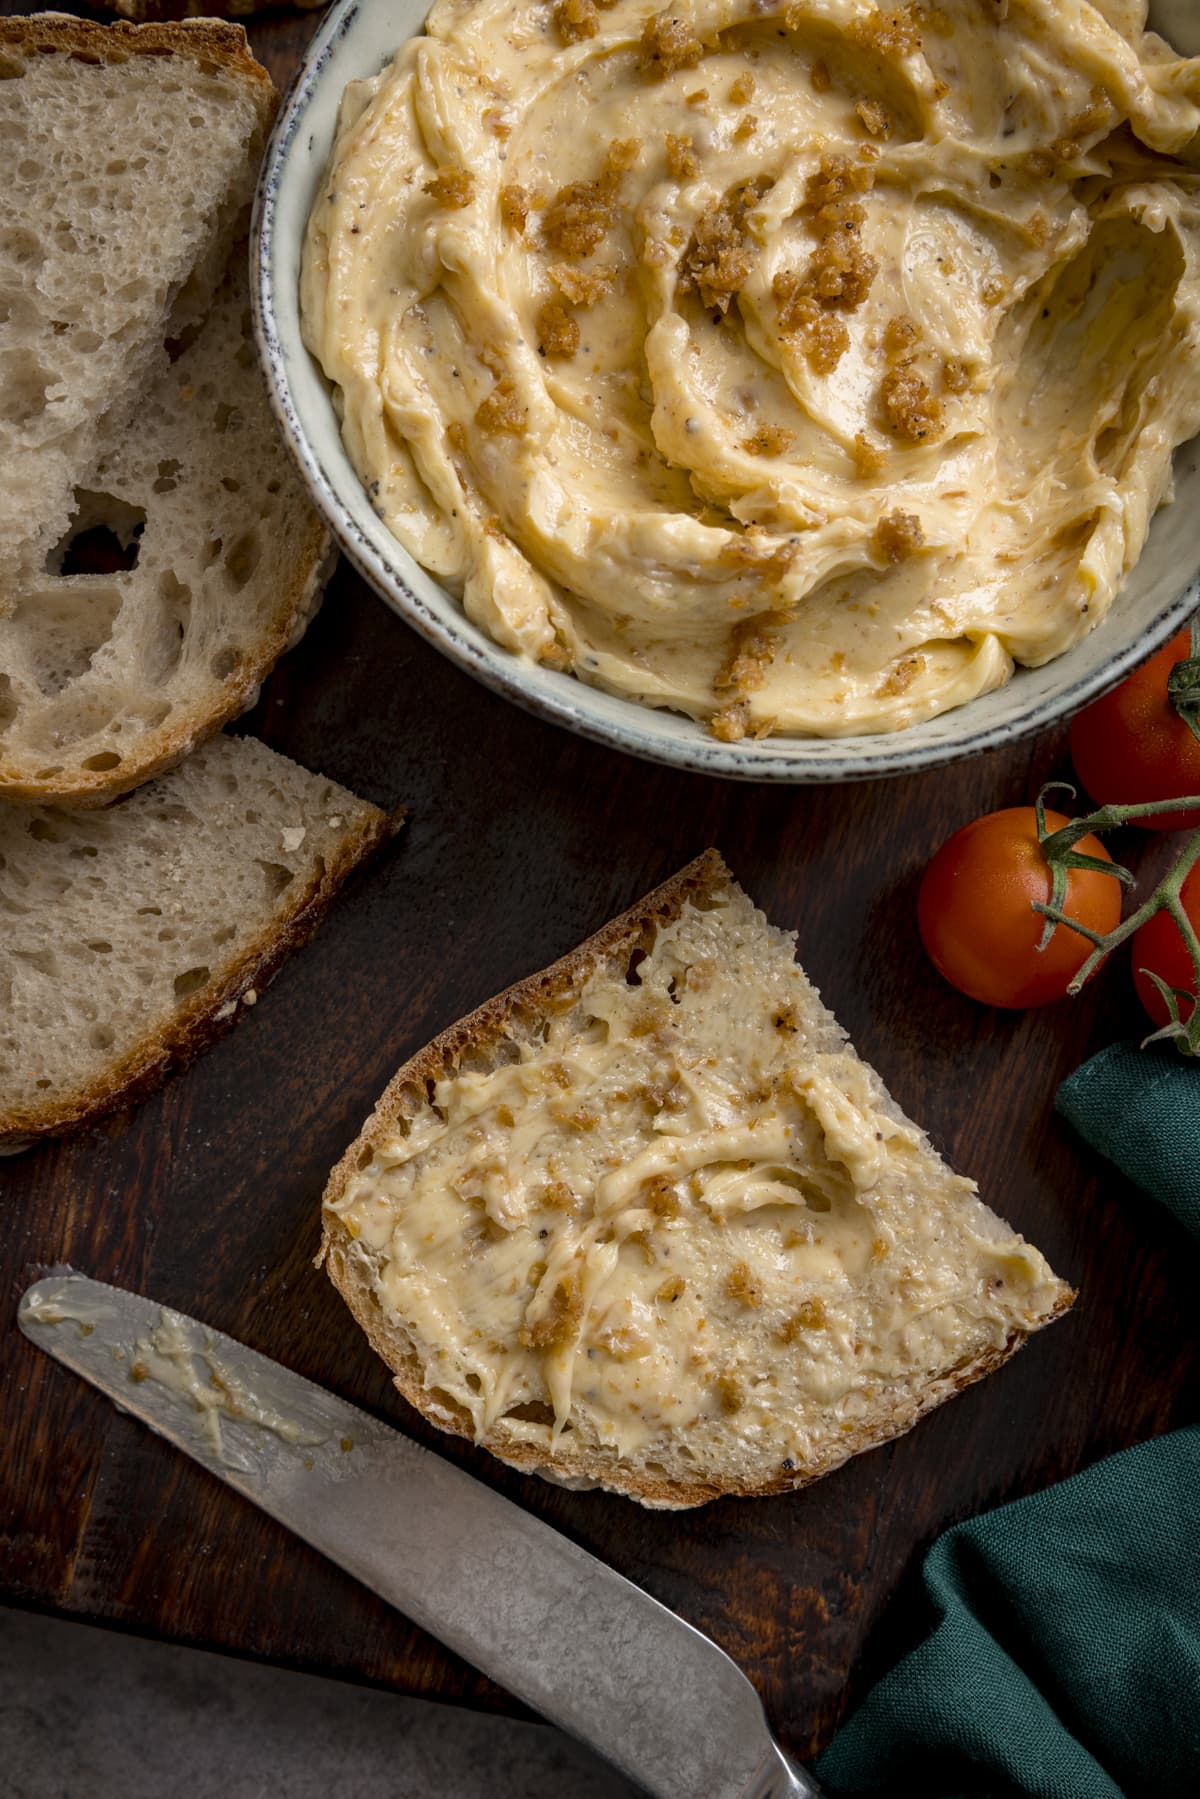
x=199, y=1022
x=704, y=878
x=483, y=1027
x=203, y=41
x=161, y=750
x=594, y=1468
x=208, y=43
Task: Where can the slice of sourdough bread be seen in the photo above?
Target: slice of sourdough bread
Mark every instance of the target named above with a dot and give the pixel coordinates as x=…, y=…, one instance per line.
x=647, y=1222
x=106, y=679
x=133, y=935
x=129, y=157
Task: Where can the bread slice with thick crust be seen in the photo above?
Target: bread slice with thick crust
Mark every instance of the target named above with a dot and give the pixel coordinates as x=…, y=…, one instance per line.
x=646, y=1222
x=107, y=679
x=130, y=159
x=136, y=935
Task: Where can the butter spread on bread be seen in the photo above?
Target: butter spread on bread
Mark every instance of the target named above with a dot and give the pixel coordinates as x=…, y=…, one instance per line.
x=649, y=1221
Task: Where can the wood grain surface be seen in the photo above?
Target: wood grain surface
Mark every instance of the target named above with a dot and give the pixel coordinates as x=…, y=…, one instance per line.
x=522, y=840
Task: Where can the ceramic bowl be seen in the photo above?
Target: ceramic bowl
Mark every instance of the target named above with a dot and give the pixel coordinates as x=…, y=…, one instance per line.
x=356, y=40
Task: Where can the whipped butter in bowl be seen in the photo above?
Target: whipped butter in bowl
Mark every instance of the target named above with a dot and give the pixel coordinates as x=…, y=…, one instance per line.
x=797, y=372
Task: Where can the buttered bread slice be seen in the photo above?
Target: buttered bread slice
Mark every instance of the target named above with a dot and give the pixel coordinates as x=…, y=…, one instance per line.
x=647, y=1221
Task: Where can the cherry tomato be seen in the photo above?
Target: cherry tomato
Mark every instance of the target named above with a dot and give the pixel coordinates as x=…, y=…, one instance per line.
x=976, y=917
x=1158, y=945
x=1131, y=746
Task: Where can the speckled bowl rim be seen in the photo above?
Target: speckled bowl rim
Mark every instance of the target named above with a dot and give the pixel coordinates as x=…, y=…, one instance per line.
x=561, y=698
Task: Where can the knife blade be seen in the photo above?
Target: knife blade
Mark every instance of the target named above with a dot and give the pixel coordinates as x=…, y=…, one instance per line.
x=575, y=1640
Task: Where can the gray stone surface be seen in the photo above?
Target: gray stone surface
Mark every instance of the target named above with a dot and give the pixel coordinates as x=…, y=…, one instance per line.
x=92, y=1714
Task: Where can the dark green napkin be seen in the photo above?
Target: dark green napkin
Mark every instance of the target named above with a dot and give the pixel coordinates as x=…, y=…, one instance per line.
x=1065, y=1660
x=1141, y=1109
x=1064, y=1657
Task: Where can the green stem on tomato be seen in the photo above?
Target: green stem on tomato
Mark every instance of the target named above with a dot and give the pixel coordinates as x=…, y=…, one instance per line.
x=1178, y=1029
x=1183, y=684
x=1061, y=856
x=1187, y=931
x=1107, y=818
x=1058, y=848
x=1167, y=897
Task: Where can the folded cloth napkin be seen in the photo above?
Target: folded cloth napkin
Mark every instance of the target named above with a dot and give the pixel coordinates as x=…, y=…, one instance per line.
x=1064, y=1659
x=1141, y=1109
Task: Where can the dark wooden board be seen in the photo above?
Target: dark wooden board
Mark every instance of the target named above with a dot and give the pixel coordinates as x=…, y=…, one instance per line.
x=522, y=840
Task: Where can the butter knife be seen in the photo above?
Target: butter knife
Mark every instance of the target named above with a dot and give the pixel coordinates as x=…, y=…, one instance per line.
x=572, y=1638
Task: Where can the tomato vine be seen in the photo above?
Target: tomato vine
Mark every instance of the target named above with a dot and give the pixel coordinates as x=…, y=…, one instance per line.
x=1058, y=848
